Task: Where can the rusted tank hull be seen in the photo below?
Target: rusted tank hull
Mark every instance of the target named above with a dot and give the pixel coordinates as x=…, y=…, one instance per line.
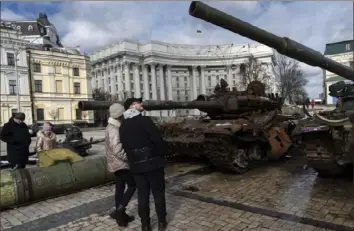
x=235, y=145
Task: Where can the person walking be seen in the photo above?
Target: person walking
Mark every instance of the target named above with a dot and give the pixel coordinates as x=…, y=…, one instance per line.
x=18, y=139
x=312, y=103
x=145, y=149
x=118, y=164
x=46, y=139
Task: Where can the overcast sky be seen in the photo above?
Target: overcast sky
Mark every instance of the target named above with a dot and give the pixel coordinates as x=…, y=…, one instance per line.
x=92, y=25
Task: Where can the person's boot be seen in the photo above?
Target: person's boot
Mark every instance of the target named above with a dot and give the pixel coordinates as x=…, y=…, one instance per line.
x=145, y=225
x=120, y=216
x=128, y=218
x=162, y=225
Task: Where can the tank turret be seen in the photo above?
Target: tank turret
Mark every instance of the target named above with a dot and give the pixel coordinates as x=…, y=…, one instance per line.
x=223, y=104
x=283, y=45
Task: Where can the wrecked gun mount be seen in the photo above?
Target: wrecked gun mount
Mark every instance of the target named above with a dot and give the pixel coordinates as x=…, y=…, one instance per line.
x=329, y=147
x=241, y=128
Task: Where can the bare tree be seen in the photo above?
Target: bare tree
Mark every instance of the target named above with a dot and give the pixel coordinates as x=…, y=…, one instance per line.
x=291, y=78
x=253, y=70
x=53, y=114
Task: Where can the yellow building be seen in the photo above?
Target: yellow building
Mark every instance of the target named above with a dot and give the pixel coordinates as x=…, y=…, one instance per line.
x=59, y=80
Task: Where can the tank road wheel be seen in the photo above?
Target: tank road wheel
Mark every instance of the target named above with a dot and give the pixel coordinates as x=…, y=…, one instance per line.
x=255, y=153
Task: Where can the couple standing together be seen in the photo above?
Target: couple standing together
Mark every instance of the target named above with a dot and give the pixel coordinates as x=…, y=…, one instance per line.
x=135, y=153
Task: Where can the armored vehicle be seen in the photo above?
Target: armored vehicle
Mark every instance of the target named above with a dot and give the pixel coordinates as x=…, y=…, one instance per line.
x=328, y=140
x=240, y=129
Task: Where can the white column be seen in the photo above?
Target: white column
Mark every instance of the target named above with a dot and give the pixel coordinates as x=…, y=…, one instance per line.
x=169, y=89
x=194, y=83
x=99, y=78
x=229, y=77
x=127, y=87
x=153, y=87
x=113, y=81
x=153, y=81
x=137, y=90
x=162, y=88
x=120, y=82
x=106, y=78
x=162, y=82
x=169, y=83
x=146, y=86
x=146, y=82
x=194, y=88
x=202, y=80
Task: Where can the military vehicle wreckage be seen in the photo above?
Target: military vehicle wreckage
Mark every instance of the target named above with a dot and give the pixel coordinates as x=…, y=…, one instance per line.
x=240, y=129
x=329, y=144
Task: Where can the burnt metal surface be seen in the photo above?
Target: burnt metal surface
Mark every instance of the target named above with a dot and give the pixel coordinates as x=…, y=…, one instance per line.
x=338, y=128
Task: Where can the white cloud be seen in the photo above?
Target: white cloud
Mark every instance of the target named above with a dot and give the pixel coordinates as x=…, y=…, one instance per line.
x=93, y=25
x=10, y=15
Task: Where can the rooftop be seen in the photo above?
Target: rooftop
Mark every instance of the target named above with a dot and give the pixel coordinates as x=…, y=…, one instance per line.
x=339, y=47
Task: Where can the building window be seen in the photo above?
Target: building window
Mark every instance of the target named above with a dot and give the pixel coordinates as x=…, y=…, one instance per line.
x=59, y=86
x=10, y=59
x=115, y=69
x=109, y=80
x=40, y=114
x=347, y=47
x=76, y=71
x=38, y=85
x=12, y=87
x=78, y=114
x=37, y=67
x=57, y=69
x=76, y=88
x=30, y=28
x=60, y=113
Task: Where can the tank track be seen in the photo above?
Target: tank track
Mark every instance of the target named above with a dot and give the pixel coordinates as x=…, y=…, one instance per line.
x=319, y=150
x=223, y=155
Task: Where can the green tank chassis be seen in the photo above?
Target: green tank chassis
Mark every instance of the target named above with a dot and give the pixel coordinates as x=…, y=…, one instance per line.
x=240, y=129
x=329, y=136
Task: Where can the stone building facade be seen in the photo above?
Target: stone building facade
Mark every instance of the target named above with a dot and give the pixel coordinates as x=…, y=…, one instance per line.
x=12, y=49
x=341, y=52
x=163, y=71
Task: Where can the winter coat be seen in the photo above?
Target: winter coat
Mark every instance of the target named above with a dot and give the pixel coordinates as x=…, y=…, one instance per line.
x=18, y=140
x=116, y=156
x=45, y=142
x=143, y=143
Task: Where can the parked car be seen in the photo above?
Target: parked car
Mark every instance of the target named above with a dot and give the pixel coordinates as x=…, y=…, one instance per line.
x=56, y=128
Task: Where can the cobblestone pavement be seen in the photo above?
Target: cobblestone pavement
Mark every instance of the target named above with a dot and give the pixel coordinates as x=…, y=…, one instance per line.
x=278, y=197
x=289, y=189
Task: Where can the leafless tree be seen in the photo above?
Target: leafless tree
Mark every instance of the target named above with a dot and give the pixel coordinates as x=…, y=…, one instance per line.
x=53, y=114
x=291, y=78
x=253, y=70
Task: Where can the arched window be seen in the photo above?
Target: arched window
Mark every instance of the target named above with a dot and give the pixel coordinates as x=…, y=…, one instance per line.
x=30, y=28
x=18, y=27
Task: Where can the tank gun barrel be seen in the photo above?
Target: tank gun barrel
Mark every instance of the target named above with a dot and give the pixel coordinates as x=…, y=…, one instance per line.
x=283, y=45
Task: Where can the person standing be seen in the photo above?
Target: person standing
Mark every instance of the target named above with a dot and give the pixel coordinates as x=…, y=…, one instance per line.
x=18, y=139
x=118, y=164
x=145, y=150
x=46, y=139
x=312, y=103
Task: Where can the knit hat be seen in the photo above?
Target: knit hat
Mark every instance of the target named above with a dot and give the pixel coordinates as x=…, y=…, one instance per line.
x=130, y=101
x=116, y=110
x=47, y=127
x=20, y=116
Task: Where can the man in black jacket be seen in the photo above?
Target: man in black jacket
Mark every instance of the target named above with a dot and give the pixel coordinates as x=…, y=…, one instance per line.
x=18, y=139
x=142, y=141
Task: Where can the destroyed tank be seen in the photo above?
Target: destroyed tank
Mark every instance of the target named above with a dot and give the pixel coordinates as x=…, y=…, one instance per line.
x=240, y=129
x=328, y=140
